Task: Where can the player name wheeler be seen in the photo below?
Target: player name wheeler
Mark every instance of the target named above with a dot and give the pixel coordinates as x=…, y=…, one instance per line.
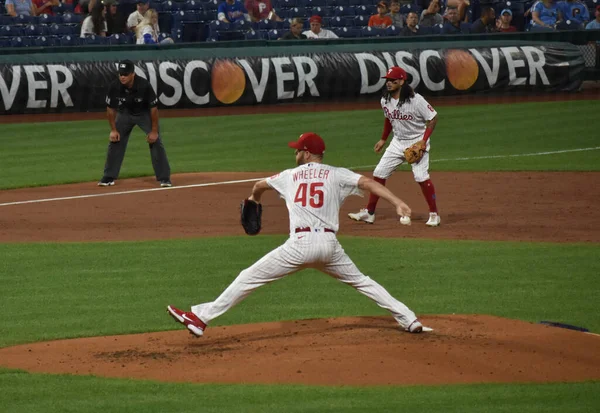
x=308, y=174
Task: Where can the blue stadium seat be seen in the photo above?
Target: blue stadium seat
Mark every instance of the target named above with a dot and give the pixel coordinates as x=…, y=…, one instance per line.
x=465, y=28
x=48, y=19
x=41, y=41
x=265, y=25
x=355, y=2
x=193, y=5
x=20, y=19
x=217, y=26
x=252, y=35
x=347, y=32
x=337, y=3
x=341, y=22
x=372, y=32
x=11, y=31
x=93, y=40
x=365, y=10
x=19, y=41
x=63, y=8
x=6, y=20
x=320, y=11
x=242, y=25
x=344, y=11
x=360, y=21
x=407, y=8
x=34, y=30
x=286, y=4
x=275, y=34
x=118, y=39
x=68, y=40
x=393, y=31
x=210, y=5
x=185, y=16
x=160, y=7
x=293, y=12
x=311, y=3
x=4, y=42
x=436, y=29
x=173, y=6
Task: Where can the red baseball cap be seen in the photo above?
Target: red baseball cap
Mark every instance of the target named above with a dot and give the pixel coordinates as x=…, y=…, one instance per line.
x=315, y=19
x=395, y=73
x=310, y=142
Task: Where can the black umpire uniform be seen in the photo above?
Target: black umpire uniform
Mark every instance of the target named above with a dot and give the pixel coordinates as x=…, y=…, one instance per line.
x=131, y=101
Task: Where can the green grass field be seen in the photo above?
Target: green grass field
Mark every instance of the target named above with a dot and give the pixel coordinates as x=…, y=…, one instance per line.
x=61, y=290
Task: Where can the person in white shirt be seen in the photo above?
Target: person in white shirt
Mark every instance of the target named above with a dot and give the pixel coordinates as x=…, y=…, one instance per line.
x=313, y=193
x=146, y=31
x=137, y=16
x=412, y=119
x=95, y=23
x=316, y=31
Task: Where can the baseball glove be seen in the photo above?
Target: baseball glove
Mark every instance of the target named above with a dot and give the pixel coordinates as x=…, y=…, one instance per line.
x=415, y=152
x=251, y=215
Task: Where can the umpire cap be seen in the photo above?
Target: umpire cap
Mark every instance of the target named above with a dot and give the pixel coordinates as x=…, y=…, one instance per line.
x=126, y=67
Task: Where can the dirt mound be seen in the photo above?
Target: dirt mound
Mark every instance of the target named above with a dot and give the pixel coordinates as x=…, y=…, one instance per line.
x=340, y=351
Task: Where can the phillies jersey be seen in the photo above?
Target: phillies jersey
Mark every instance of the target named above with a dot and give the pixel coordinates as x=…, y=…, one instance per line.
x=314, y=193
x=408, y=120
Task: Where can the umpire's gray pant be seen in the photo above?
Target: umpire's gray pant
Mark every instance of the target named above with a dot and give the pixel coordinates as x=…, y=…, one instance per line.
x=116, y=150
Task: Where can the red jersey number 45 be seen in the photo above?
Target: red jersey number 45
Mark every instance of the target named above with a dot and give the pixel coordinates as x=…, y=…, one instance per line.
x=314, y=193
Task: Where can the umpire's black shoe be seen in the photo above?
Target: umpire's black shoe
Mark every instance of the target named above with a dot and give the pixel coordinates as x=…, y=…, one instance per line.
x=106, y=182
x=165, y=183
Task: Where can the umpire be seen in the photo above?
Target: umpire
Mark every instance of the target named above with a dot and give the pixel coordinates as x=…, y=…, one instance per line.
x=131, y=101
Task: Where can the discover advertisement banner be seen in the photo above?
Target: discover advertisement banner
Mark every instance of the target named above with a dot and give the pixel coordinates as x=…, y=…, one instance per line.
x=179, y=83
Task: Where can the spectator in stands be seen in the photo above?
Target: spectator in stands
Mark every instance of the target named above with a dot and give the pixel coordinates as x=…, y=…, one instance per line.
x=452, y=25
x=574, y=11
x=431, y=15
x=395, y=15
x=462, y=6
x=137, y=16
x=381, y=20
x=45, y=6
x=544, y=16
x=95, y=23
x=115, y=20
x=147, y=32
x=412, y=21
x=84, y=6
x=486, y=23
x=295, y=32
x=316, y=31
x=594, y=24
x=261, y=10
x=503, y=24
x=231, y=11
x=17, y=7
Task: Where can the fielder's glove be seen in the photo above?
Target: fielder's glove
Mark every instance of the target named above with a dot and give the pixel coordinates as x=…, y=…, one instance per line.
x=251, y=214
x=415, y=152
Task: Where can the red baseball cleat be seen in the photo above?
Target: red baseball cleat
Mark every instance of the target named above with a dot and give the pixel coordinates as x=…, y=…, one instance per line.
x=188, y=319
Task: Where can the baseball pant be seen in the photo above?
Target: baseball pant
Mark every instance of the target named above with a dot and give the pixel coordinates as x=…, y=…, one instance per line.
x=116, y=150
x=319, y=250
x=394, y=157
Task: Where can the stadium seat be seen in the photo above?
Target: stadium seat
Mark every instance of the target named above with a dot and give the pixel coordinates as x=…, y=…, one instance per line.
x=68, y=40
x=341, y=22
x=252, y=35
x=64, y=8
x=465, y=28
x=193, y=5
x=393, y=31
x=243, y=25
x=41, y=41
x=118, y=39
x=34, y=30
x=360, y=21
x=355, y=2
x=265, y=25
x=19, y=41
x=372, y=32
x=6, y=20
x=293, y=12
x=4, y=41
x=344, y=11
x=10, y=31
x=285, y=4
x=320, y=11
x=173, y=6
x=20, y=19
x=312, y=3
x=337, y=3
x=347, y=32
x=211, y=5
x=274, y=34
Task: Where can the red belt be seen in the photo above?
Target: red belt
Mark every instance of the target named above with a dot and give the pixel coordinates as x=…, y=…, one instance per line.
x=309, y=229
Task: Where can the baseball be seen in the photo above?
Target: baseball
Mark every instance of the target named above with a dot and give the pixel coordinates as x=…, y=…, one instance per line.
x=405, y=220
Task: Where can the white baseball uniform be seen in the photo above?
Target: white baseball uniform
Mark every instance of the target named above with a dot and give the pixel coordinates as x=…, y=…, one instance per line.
x=409, y=122
x=313, y=193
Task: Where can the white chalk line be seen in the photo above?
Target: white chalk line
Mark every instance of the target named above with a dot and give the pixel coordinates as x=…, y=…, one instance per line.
x=137, y=191
x=498, y=156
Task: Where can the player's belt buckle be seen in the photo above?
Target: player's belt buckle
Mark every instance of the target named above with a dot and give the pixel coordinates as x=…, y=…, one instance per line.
x=308, y=229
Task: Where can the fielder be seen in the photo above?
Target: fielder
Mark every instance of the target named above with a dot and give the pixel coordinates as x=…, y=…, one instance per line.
x=313, y=193
x=413, y=120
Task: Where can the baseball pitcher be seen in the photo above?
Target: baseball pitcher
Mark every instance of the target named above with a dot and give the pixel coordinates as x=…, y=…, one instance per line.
x=313, y=193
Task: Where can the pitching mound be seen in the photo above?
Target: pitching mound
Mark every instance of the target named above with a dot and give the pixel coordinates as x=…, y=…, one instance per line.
x=340, y=351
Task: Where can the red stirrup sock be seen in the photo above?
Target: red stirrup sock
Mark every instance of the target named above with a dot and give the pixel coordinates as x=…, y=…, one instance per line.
x=374, y=198
x=429, y=193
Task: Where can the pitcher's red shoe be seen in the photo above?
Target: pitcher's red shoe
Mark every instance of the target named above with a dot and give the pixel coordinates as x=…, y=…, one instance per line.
x=188, y=319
